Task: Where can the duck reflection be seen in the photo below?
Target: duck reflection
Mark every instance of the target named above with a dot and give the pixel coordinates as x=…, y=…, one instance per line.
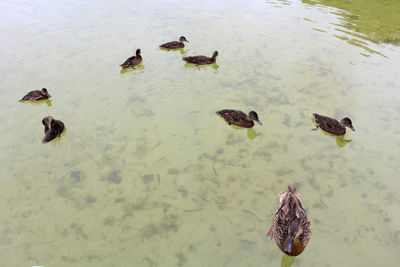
x=251, y=134
x=215, y=66
x=129, y=69
x=287, y=261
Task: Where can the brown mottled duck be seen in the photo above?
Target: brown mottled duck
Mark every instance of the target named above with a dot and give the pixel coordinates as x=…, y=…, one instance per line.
x=36, y=95
x=290, y=228
x=201, y=60
x=52, y=128
x=175, y=44
x=133, y=60
x=331, y=125
x=239, y=118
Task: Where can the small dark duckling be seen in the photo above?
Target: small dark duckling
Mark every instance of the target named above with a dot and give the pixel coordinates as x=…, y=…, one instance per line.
x=175, y=44
x=201, y=60
x=133, y=60
x=239, y=118
x=52, y=128
x=36, y=95
x=331, y=125
x=290, y=228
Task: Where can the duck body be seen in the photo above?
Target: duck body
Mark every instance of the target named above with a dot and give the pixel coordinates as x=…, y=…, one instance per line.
x=133, y=60
x=175, y=44
x=331, y=125
x=52, y=128
x=202, y=60
x=36, y=95
x=290, y=228
x=239, y=118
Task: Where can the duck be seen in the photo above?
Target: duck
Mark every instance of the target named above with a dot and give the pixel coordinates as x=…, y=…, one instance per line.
x=133, y=60
x=175, y=44
x=52, y=128
x=331, y=125
x=239, y=118
x=36, y=95
x=201, y=60
x=290, y=228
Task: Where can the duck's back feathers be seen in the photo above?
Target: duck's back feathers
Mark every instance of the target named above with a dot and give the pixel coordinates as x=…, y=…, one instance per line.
x=236, y=117
x=201, y=60
x=329, y=125
x=173, y=45
x=132, y=61
x=36, y=95
x=52, y=128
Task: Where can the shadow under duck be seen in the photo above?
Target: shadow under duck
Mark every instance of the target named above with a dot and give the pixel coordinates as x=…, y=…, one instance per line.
x=52, y=128
x=201, y=60
x=290, y=228
x=239, y=118
x=133, y=60
x=175, y=44
x=331, y=125
x=36, y=95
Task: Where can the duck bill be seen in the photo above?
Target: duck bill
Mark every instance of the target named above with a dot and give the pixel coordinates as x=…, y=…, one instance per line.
x=352, y=128
x=259, y=122
x=48, y=95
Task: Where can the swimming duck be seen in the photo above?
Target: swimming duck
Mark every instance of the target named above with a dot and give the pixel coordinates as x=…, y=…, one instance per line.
x=36, y=95
x=239, y=118
x=133, y=60
x=201, y=60
x=175, y=44
x=290, y=228
x=332, y=126
x=52, y=128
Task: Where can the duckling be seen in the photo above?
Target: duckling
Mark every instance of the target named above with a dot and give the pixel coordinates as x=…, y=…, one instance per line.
x=175, y=44
x=52, y=128
x=133, y=60
x=201, y=60
x=36, y=95
x=331, y=125
x=290, y=228
x=239, y=118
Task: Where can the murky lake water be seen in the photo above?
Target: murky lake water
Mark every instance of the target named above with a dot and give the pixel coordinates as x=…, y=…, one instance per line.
x=146, y=174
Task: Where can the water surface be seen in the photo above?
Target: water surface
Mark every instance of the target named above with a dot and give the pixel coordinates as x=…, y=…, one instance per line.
x=147, y=175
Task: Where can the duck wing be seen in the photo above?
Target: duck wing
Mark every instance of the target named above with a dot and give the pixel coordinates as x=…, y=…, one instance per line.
x=329, y=125
x=33, y=96
x=199, y=60
x=172, y=45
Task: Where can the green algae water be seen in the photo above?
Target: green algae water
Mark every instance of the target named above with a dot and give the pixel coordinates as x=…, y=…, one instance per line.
x=146, y=174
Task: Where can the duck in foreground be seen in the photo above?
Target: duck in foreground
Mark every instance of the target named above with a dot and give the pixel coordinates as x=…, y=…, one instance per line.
x=239, y=118
x=201, y=60
x=52, y=128
x=36, y=95
x=133, y=60
x=175, y=44
x=290, y=228
x=332, y=126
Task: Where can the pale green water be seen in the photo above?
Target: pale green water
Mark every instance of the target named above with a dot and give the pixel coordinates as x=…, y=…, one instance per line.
x=146, y=173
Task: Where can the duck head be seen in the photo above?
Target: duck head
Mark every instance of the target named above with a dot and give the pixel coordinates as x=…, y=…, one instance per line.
x=215, y=54
x=254, y=116
x=347, y=122
x=294, y=232
x=138, y=52
x=45, y=92
x=183, y=39
x=47, y=121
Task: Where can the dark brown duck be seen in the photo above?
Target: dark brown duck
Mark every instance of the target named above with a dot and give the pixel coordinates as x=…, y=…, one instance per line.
x=175, y=44
x=239, y=118
x=331, y=125
x=36, y=95
x=201, y=60
x=133, y=60
x=290, y=228
x=52, y=128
